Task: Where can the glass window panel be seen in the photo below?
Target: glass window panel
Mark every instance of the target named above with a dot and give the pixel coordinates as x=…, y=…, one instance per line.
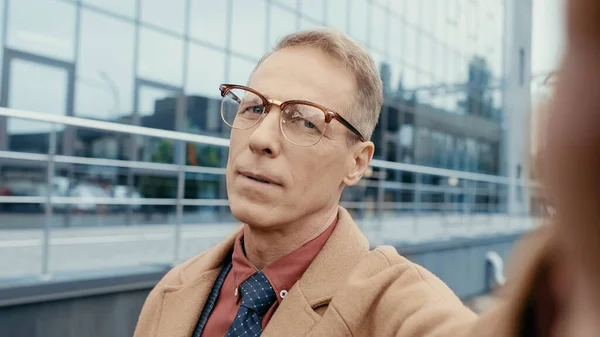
x=123, y=7
x=161, y=57
x=427, y=15
x=425, y=53
x=283, y=22
x=292, y=4
x=410, y=49
x=496, y=63
x=440, y=23
x=1, y=39
x=148, y=105
x=47, y=84
x=395, y=79
x=206, y=70
x=440, y=62
x=313, y=9
x=308, y=24
x=398, y=7
x=248, y=32
x=169, y=15
x=410, y=78
x=42, y=27
x=240, y=70
x=379, y=31
x=411, y=11
x=337, y=14
x=207, y=21
x=396, y=45
x=358, y=17
x=105, y=67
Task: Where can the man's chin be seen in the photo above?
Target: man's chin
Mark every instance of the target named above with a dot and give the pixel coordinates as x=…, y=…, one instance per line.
x=257, y=216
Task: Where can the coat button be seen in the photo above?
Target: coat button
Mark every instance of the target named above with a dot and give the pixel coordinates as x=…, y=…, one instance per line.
x=283, y=293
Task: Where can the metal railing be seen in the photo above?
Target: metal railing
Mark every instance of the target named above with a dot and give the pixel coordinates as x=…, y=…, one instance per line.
x=453, y=195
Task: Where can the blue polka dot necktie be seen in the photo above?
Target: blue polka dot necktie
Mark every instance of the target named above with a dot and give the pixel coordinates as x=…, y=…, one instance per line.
x=257, y=297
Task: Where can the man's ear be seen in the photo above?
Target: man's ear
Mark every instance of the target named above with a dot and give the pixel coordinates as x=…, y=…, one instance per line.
x=362, y=155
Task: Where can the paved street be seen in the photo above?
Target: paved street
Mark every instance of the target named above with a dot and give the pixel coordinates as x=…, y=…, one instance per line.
x=88, y=248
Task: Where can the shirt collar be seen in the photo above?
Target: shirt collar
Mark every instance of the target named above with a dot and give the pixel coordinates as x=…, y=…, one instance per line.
x=285, y=271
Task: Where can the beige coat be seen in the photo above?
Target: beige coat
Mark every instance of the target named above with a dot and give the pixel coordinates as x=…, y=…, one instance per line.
x=348, y=290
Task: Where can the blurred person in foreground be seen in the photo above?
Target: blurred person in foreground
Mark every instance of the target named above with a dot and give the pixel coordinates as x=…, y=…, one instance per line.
x=300, y=265
x=555, y=287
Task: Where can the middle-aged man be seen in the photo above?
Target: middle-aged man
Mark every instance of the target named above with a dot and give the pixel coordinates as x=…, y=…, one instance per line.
x=300, y=265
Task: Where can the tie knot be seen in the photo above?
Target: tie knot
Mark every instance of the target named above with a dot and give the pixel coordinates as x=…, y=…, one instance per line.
x=258, y=294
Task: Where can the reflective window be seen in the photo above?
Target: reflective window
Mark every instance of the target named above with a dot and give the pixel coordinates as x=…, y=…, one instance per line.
x=409, y=79
x=396, y=75
x=308, y=24
x=292, y=4
x=149, y=104
x=440, y=60
x=313, y=9
x=206, y=71
x=42, y=27
x=396, y=45
x=248, y=31
x=407, y=135
x=105, y=67
x=427, y=15
x=411, y=10
x=161, y=57
x=379, y=29
x=337, y=14
x=282, y=22
x=46, y=83
x=1, y=38
x=207, y=21
x=123, y=7
x=426, y=53
x=359, y=19
x=169, y=15
x=397, y=7
x=240, y=70
x=439, y=19
x=410, y=48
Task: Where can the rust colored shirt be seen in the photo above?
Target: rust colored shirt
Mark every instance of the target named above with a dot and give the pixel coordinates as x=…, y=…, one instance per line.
x=282, y=274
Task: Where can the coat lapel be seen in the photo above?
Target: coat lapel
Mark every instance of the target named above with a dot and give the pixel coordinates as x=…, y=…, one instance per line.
x=344, y=249
x=183, y=301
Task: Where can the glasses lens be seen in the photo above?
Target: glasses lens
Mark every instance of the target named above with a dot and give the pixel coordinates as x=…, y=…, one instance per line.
x=303, y=124
x=241, y=109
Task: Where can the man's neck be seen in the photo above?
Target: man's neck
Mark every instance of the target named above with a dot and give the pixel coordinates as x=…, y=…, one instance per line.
x=266, y=246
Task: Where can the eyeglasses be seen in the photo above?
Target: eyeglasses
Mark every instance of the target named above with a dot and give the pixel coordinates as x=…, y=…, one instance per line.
x=302, y=123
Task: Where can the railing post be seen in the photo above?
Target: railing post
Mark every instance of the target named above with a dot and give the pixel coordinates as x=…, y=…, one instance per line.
x=380, y=209
x=180, y=158
x=445, y=210
x=48, y=205
x=417, y=205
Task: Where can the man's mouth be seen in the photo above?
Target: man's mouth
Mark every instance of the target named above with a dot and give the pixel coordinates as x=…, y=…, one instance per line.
x=259, y=178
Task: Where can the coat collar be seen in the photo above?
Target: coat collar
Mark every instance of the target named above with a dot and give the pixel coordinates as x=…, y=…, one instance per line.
x=317, y=286
x=184, y=296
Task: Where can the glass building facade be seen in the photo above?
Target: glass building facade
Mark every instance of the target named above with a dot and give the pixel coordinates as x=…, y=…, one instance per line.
x=127, y=61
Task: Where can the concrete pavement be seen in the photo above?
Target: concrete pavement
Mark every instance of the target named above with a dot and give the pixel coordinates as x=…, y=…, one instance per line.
x=90, y=248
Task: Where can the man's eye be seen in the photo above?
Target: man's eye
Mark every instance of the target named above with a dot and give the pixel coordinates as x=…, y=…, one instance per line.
x=309, y=125
x=256, y=109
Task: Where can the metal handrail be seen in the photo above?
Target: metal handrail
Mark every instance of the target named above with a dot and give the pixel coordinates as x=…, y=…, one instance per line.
x=223, y=142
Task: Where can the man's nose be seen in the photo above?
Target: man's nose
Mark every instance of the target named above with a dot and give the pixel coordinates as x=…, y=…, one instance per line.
x=266, y=136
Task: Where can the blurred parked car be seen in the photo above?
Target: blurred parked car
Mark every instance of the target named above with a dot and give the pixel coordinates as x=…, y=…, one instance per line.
x=124, y=192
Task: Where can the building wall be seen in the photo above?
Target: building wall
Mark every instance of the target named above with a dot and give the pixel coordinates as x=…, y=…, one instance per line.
x=125, y=61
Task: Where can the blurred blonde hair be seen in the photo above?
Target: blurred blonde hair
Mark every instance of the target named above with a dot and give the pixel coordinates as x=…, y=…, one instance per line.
x=365, y=106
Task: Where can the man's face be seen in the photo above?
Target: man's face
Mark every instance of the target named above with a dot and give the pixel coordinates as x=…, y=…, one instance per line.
x=303, y=180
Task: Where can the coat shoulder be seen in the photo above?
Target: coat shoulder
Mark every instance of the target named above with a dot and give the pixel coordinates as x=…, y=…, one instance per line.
x=390, y=295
